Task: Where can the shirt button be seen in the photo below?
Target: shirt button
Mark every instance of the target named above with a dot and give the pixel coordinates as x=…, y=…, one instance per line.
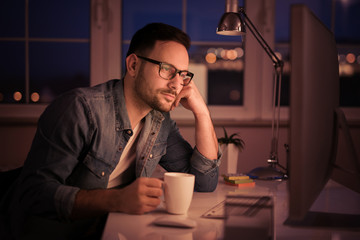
x=129, y=132
x=102, y=174
x=117, y=129
x=150, y=155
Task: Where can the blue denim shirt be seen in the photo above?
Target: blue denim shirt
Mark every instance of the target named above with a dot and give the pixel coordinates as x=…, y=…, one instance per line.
x=78, y=143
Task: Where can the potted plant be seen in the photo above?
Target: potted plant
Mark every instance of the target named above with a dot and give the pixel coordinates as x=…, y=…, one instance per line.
x=230, y=146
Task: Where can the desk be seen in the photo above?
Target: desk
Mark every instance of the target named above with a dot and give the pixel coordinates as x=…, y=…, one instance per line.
x=121, y=226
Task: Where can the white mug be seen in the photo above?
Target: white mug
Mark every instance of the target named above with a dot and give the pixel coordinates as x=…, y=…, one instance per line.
x=178, y=188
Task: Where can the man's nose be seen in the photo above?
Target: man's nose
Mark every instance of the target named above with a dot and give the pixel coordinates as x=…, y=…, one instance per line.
x=176, y=83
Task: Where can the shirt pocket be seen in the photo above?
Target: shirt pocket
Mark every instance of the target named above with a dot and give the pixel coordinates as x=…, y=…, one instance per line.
x=158, y=150
x=97, y=166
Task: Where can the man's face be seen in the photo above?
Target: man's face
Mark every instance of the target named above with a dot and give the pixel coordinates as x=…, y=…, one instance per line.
x=153, y=90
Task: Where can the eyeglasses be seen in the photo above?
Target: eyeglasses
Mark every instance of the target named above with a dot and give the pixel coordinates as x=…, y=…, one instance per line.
x=168, y=71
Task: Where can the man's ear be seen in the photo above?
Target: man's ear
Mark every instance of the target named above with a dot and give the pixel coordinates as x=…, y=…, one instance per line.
x=131, y=64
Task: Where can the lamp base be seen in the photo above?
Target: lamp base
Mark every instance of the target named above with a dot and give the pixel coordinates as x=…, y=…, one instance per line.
x=267, y=173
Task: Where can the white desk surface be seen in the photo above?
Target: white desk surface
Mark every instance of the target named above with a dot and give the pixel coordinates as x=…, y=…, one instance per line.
x=121, y=226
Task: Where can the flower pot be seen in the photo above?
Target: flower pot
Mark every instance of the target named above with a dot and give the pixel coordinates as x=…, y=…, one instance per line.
x=229, y=158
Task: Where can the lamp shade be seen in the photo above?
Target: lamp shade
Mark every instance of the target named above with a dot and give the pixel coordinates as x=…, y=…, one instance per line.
x=231, y=23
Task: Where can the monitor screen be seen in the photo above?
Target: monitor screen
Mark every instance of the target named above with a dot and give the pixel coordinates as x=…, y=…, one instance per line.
x=314, y=91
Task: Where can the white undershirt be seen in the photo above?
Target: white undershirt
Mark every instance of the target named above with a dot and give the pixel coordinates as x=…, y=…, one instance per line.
x=119, y=175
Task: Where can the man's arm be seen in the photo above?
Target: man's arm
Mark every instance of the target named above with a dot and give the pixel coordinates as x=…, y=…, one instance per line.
x=205, y=137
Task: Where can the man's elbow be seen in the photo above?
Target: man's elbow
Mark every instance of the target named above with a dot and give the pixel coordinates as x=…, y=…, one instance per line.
x=207, y=182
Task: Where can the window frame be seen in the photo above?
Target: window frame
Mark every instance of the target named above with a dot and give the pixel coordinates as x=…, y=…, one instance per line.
x=105, y=50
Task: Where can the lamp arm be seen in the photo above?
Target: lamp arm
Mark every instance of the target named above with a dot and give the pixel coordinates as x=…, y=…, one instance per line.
x=277, y=62
x=273, y=159
x=278, y=65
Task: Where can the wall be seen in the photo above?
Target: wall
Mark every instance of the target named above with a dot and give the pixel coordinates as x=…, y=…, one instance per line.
x=15, y=142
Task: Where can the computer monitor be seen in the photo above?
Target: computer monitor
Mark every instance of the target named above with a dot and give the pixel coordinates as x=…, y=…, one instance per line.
x=314, y=111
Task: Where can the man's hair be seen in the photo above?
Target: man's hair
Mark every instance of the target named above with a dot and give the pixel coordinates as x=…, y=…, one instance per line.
x=145, y=38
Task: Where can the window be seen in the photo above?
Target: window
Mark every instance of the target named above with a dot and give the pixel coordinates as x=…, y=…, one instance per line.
x=45, y=49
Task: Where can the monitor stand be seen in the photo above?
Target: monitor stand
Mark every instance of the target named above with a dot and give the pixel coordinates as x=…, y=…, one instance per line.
x=346, y=171
x=267, y=173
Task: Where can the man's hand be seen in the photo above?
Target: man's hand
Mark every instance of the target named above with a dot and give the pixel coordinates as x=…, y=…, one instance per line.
x=191, y=99
x=141, y=196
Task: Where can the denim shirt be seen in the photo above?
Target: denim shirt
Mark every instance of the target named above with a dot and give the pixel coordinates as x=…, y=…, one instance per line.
x=78, y=143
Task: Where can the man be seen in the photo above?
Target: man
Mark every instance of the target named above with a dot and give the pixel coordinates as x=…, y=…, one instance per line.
x=96, y=148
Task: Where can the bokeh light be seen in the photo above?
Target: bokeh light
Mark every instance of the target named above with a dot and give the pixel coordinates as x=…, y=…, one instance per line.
x=240, y=52
x=231, y=54
x=17, y=96
x=35, y=97
x=350, y=58
x=210, y=58
x=342, y=58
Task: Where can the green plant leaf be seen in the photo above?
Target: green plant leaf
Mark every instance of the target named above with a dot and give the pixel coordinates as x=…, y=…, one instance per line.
x=233, y=139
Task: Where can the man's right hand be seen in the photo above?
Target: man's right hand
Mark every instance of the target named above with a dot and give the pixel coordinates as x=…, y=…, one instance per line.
x=141, y=196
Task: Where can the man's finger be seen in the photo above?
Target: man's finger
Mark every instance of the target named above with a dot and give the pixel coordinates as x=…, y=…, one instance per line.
x=154, y=192
x=153, y=182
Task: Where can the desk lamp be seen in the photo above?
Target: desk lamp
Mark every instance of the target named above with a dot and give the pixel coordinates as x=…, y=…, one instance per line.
x=232, y=23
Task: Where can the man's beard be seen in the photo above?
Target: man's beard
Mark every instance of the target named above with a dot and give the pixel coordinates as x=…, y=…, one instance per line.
x=152, y=98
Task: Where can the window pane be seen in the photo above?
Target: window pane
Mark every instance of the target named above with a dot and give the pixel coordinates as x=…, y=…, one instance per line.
x=58, y=67
x=12, y=12
x=228, y=91
x=349, y=60
x=225, y=84
x=12, y=69
x=322, y=9
x=136, y=14
x=346, y=24
x=59, y=19
x=347, y=21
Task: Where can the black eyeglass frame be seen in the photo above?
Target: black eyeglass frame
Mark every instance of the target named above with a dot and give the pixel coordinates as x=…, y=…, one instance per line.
x=190, y=74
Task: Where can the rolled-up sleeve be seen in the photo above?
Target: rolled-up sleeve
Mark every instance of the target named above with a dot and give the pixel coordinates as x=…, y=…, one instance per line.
x=206, y=171
x=203, y=164
x=64, y=200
